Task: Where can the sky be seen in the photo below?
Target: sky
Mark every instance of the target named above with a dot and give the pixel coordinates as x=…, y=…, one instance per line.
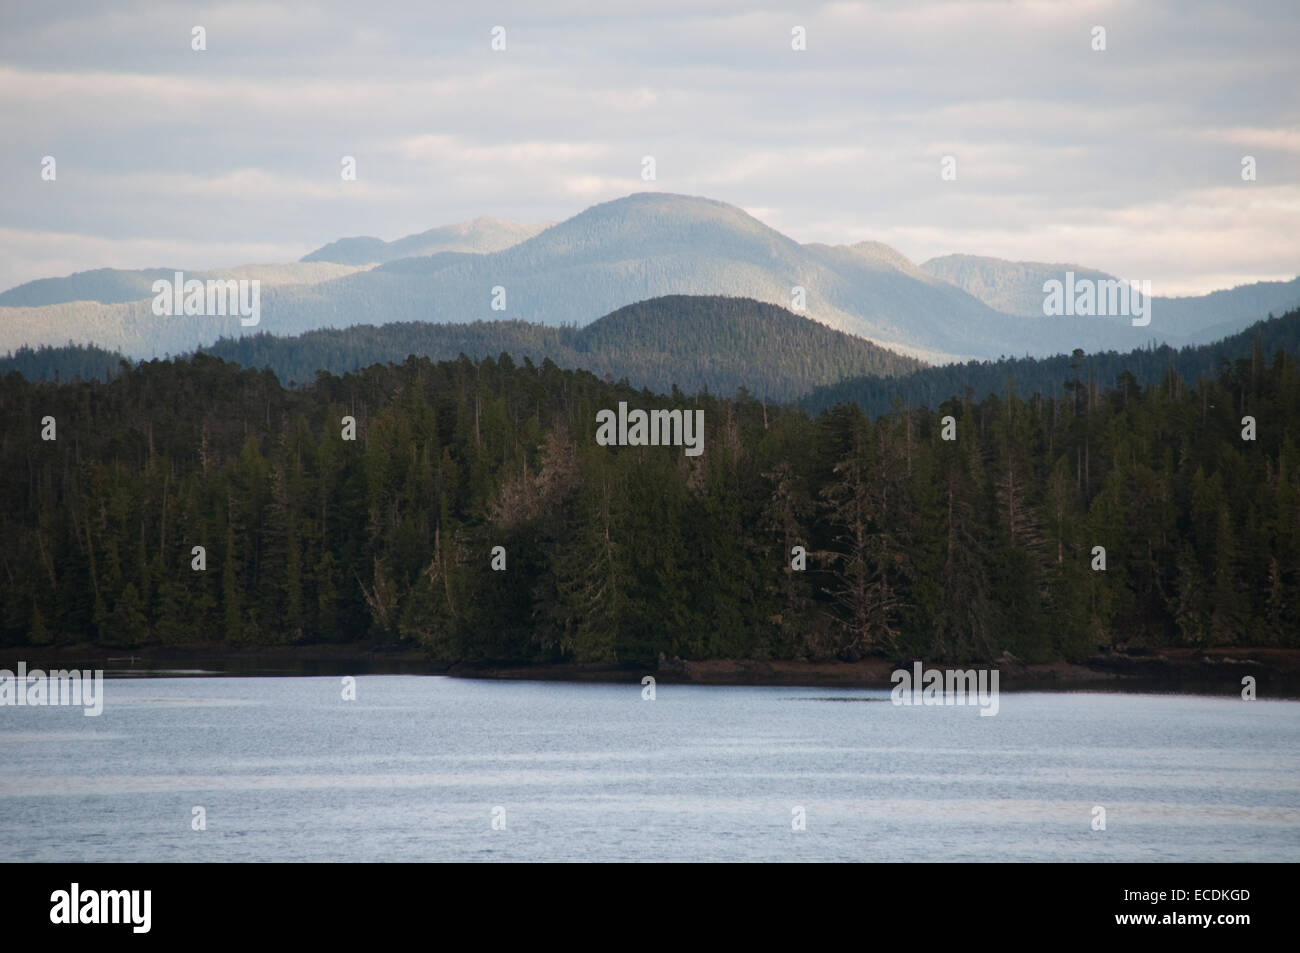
x=1127, y=159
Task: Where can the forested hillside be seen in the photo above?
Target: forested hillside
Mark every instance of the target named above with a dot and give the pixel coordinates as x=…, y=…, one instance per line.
x=951, y=550
x=718, y=343
x=930, y=386
x=691, y=342
x=67, y=363
x=696, y=343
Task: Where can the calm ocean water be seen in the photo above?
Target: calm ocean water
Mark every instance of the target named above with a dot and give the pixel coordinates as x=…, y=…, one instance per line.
x=415, y=767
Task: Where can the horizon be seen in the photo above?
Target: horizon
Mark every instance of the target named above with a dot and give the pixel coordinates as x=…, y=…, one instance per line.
x=547, y=225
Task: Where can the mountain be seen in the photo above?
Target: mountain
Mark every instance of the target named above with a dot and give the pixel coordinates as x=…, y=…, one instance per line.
x=1016, y=287
x=654, y=244
x=1012, y=287
x=1148, y=367
x=651, y=245
x=694, y=343
x=732, y=343
x=343, y=257
x=117, y=285
x=483, y=234
x=105, y=285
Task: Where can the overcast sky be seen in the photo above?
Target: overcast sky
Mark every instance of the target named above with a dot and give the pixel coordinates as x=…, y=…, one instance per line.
x=1128, y=160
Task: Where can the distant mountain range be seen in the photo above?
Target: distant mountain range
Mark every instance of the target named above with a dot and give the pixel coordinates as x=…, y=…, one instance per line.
x=1016, y=287
x=116, y=285
x=643, y=246
x=480, y=236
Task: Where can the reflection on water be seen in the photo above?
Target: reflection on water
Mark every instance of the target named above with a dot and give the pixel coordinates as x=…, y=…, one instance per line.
x=413, y=768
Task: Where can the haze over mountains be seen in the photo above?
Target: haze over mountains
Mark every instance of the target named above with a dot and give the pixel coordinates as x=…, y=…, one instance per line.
x=481, y=235
x=118, y=285
x=1016, y=287
x=643, y=246
x=1012, y=287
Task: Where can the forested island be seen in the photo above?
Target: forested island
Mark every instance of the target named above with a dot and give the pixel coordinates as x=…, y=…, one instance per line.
x=916, y=546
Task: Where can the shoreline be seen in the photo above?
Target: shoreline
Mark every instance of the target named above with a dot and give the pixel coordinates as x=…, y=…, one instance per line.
x=1218, y=671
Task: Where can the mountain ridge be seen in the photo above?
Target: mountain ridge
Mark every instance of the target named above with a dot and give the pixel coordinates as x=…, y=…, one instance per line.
x=653, y=244
x=478, y=235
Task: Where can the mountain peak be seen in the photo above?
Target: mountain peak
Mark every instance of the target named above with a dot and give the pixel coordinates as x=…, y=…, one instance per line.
x=885, y=254
x=1012, y=287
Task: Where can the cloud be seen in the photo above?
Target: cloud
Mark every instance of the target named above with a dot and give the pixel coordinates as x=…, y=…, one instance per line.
x=1127, y=160
x=62, y=253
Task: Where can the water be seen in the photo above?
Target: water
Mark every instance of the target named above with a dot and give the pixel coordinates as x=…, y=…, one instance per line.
x=413, y=769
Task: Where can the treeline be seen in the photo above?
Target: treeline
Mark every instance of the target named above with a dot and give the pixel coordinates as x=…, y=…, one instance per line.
x=71, y=362
x=699, y=343
x=916, y=545
x=1030, y=376
x=693, y=342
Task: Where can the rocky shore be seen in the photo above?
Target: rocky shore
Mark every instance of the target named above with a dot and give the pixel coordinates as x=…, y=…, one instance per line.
x=1276, y=671
x=1169, y=670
